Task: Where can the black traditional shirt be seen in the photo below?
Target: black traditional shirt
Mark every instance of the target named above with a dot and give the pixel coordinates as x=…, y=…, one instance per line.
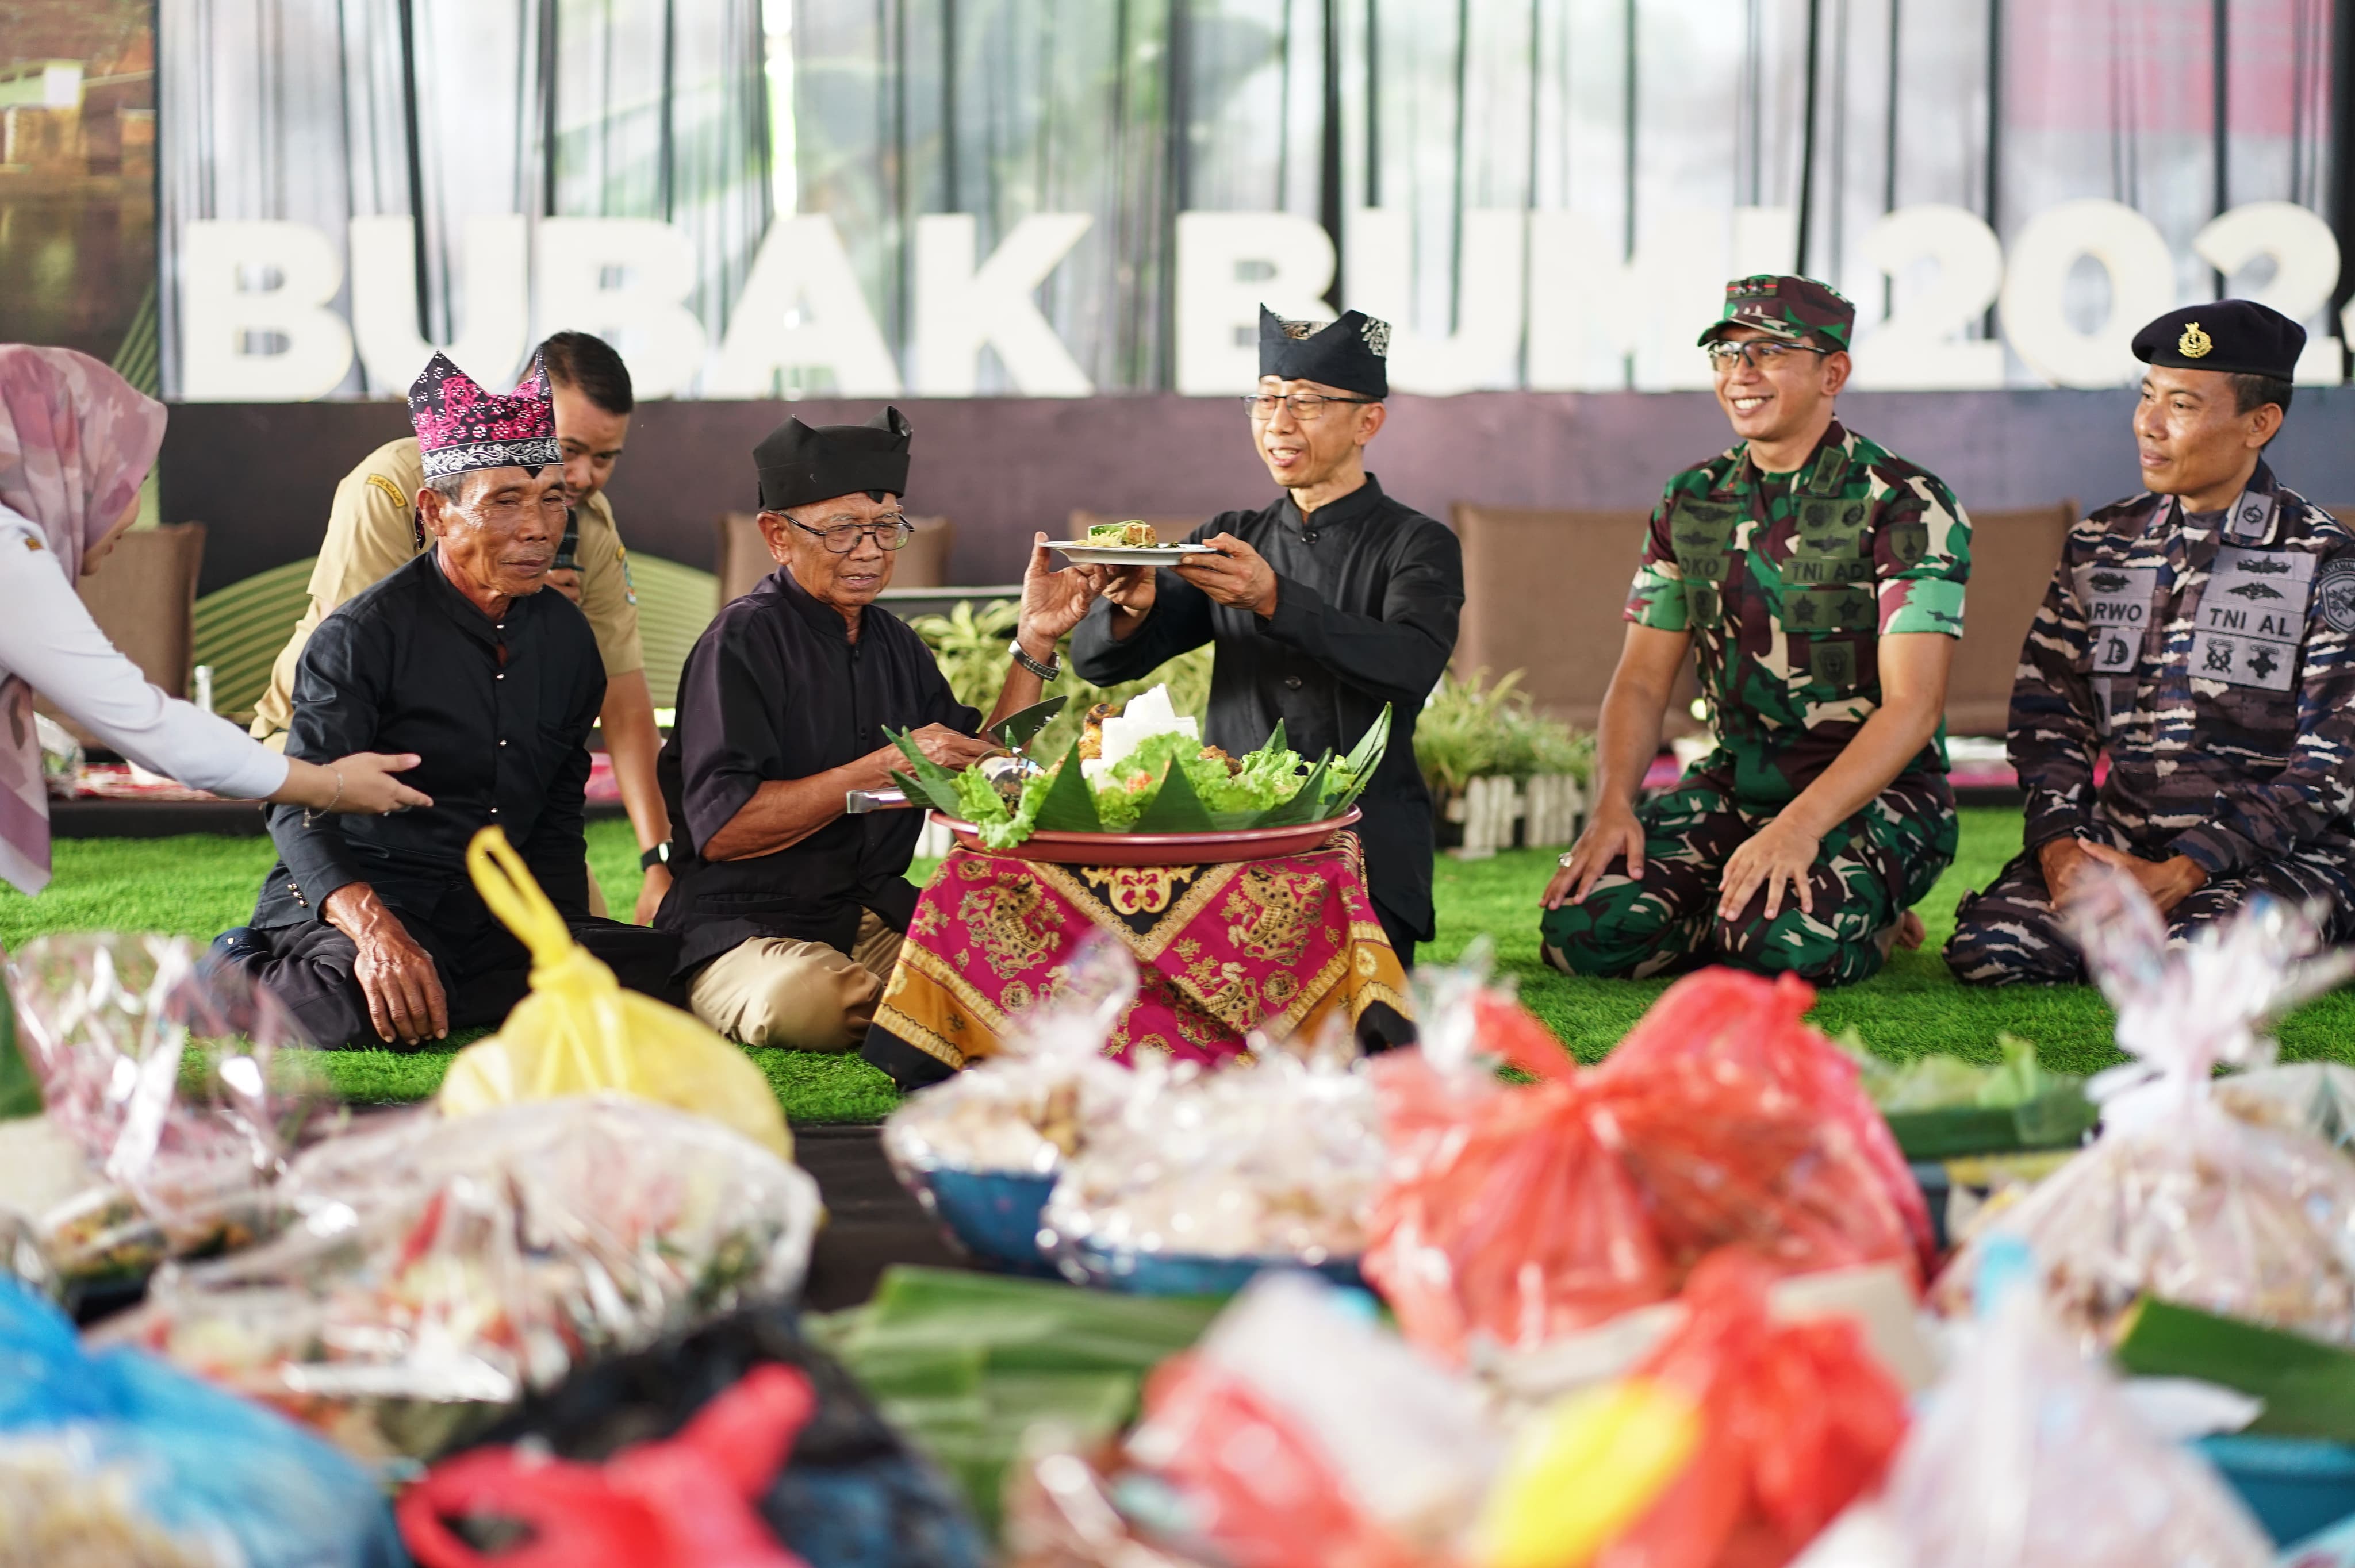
x=500, y=712
x=1366, y=595
x=775, y=689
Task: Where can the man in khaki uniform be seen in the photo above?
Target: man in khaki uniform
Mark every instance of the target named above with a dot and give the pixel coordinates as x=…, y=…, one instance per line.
x=373, y=531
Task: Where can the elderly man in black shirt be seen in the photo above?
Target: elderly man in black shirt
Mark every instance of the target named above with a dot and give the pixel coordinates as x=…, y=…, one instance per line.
x=791, y=910
x=370, y=929
x=1322, y=606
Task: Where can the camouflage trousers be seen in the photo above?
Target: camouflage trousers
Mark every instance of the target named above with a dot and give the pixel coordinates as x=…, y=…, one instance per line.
x=1869, y=870
x=2009, y=934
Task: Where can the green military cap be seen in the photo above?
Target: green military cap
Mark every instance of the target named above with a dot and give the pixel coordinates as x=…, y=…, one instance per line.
x=1796, y=309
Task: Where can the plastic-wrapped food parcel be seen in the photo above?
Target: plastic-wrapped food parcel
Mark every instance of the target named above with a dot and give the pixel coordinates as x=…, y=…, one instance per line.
x=2179, y=1197
x=1276, y=1156
x=442, y=1267
x=1516, y=1214
x=171, y=1103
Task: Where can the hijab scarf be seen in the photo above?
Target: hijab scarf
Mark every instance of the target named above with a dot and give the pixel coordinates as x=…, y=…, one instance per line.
x=76, y=442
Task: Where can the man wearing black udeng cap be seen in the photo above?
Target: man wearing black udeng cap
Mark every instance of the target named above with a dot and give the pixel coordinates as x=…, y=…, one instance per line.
x=1322, y=606
x=791, y=912
x=2198, y=635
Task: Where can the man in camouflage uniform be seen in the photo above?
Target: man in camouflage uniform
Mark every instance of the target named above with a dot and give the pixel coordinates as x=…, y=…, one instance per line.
x=1820, y=579
x=2198, y=634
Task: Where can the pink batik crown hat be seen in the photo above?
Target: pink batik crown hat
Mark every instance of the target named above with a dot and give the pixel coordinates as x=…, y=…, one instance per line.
x=461, y=427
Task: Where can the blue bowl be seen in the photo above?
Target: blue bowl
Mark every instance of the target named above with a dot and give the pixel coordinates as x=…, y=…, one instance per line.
x=1148, y=1273
x=2296, y=1486
x=993, y=1216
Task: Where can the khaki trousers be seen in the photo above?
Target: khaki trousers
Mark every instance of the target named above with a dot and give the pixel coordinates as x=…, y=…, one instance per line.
x=804, y=996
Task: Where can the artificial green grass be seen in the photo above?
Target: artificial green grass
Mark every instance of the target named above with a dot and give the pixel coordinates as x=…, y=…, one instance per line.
x=1913, y=1007
x=196, y=887
x=202, y=884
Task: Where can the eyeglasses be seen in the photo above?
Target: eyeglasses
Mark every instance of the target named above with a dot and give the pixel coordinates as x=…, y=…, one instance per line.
x=1306, y=407
x=889, y=533
x=1759, y=355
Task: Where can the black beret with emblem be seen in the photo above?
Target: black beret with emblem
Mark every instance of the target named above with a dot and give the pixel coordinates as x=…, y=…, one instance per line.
x=800, y=463
x=2238, y=337
x=1349, y=355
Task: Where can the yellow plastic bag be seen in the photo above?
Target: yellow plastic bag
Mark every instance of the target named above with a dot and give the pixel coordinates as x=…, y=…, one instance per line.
x=1584, y=1470
x=579, y=1031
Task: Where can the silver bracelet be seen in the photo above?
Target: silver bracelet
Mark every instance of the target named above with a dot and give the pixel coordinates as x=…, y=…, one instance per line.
x=310, y=818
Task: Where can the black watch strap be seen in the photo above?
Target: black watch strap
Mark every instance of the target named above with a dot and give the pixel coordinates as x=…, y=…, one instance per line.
x=658, y=856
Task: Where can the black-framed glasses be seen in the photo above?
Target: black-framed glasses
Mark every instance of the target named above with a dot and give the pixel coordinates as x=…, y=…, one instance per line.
x=1306, y=407
x=1722, y=354
x=888, y=533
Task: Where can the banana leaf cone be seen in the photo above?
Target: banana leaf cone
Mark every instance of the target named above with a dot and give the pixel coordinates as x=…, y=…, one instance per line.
x=580, y=1032
x=1068, y=805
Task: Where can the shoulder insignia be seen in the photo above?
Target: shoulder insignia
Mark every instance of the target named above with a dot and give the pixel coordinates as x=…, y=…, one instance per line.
x=2334, y=593
x=390, y=489
x=33, y=545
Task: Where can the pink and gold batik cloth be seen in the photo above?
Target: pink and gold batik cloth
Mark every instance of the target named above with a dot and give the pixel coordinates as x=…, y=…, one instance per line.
x=1279, y=945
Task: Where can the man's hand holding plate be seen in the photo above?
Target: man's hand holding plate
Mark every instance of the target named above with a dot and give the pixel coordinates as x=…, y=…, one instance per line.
x=1238, y=575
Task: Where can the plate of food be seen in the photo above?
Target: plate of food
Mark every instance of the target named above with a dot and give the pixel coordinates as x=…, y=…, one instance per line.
x=1139, y=788
x=1130, y=543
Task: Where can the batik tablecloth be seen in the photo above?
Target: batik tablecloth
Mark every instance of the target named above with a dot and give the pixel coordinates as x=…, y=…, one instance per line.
x=1278, y=946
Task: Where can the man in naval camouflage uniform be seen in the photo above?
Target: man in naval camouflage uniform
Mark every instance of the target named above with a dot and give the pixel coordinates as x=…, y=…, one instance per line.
x=1820, y=577
x=2198, y=634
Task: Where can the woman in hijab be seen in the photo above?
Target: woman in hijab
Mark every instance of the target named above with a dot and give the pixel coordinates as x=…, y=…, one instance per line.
x=76, y=442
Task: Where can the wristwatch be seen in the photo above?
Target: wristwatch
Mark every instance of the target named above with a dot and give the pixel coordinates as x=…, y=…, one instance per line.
x=658, y=856
x=1047, y=671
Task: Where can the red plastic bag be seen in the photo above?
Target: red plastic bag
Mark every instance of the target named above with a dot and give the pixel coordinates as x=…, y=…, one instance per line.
x=1799, y=1420
x=1738, y=1048
x=685, y=1503
x=1517, y=1214
x=1506, y=1215
x=1271, y=1500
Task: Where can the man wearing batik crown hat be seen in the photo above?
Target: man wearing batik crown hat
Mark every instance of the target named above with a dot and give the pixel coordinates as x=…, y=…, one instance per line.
x=1321, y=605
x=1819, y=580
x=372, y=930
x=373, y=528
x=791, y=909
x=2197, y=635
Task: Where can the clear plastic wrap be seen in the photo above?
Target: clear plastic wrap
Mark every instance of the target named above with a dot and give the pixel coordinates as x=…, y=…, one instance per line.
x=1274, y=1157
x=445, y=1266
x=2177, y=1197
x=2316, y=1098
x=2026, y=1455
x=177, y=1085
x=115, y=1460
x=1040, y=1099
x=1516, y=1214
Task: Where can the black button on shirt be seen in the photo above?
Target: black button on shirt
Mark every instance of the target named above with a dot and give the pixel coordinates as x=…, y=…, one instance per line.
x=412, y=665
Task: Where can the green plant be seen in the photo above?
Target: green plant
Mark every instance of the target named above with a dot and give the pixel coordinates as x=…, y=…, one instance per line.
x=1470, y=730
x=973, y=652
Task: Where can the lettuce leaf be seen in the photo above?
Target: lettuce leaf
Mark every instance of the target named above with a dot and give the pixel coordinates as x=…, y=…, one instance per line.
x=980, y=804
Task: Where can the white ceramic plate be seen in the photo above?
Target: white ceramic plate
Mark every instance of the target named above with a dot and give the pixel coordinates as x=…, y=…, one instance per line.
x=1088, y=555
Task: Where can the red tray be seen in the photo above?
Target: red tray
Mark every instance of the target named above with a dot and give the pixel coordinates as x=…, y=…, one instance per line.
x=1158, y=849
